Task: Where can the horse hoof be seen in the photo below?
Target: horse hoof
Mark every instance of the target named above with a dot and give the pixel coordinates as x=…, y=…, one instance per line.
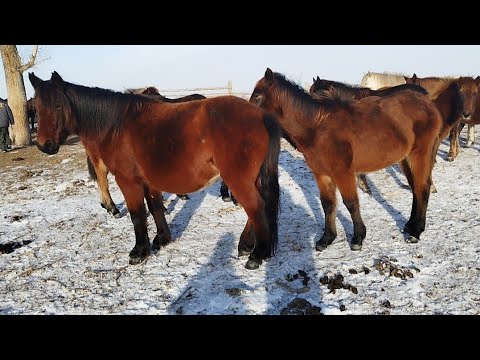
x=412, y=239
x=157, y=243
x=244, y=252
x=226, y=198
x=433, y=189
x=450, y=158
x=136, y=260
x=253, y=264
x=184, y=197
x=117, y=215
x=320, y=247
x=356, y=247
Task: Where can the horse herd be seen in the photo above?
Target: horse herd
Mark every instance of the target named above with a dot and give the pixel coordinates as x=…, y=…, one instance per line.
x=153, y=144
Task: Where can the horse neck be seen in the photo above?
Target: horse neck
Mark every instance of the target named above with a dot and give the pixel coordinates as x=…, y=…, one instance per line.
x=298, y=119
x=447, y=102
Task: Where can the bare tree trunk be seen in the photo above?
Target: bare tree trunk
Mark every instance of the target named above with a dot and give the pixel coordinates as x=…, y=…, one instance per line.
x=17, y=98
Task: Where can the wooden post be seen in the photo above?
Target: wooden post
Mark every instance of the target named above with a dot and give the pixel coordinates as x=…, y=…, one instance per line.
x=230, y=87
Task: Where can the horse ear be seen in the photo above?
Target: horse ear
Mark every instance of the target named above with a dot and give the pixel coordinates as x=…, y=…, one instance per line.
x=314, y=80
x=56, y=78
x=269, y=74
x=477, y=80
x=414, y=77
x=318, y=78
x=34, y=80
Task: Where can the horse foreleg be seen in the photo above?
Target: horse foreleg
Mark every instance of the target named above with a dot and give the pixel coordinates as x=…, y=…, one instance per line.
x=454, y=146
x=98, y=171
x=155, y=206
x=348, y=190
x=133, y=192
x=470, y=135
x=328, y=199
x=362, y=183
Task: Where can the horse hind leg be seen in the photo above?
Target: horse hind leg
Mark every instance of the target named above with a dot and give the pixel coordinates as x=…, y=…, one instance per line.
x=259, y=199
x=347, y=186
x=421, y=165
x=247, y=240
x=454, y=144
x=154, y=201
x=328, y=199
x=98, y=171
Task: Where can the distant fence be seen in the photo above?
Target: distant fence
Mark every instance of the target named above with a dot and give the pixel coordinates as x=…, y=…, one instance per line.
x=208, y=92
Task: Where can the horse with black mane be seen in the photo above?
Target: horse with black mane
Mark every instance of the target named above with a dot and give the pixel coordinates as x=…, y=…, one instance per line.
x=340, y=137
x=357, y=93
x=99, y=172
x=458, y=101
x=177, y=148
x=155, y=94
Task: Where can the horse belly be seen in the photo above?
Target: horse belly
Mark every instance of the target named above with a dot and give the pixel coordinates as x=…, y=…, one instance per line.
x=183, y=178
x=375, y=156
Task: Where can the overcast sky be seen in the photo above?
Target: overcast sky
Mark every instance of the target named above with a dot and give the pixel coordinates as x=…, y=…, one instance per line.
x=184, y=66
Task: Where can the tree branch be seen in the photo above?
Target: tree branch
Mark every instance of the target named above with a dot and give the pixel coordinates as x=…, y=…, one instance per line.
x=30, y=62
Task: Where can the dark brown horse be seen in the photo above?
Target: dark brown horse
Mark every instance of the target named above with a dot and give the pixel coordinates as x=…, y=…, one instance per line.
x=357, y=92
x=177, y=148
x=456, y=98
x=341, y=137
x=31, y=113
x=99, y=172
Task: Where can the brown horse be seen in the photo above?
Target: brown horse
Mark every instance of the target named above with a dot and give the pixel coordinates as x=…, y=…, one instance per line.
x=357, y=93
x=153, y=92
x=31, y=113
x=99, y=172
x=178, y=148
x=456, y=98
x=341, y=137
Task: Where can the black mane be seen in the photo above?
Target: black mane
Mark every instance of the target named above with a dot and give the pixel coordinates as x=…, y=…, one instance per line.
x=358, y=92
x=306, y=102
x=94, y=109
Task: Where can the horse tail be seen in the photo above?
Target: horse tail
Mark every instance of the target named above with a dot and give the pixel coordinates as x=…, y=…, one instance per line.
x=91, y=169
x=267, y=183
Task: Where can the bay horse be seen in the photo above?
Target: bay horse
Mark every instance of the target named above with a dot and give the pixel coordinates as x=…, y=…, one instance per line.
x=153, y=91
x=177, y=148
x=357, y=93
x=98, y=171
x=341, y=137
x=457, y=100
x=376, y=80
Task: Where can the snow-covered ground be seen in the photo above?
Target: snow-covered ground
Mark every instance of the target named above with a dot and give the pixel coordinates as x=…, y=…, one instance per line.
x=72, y=257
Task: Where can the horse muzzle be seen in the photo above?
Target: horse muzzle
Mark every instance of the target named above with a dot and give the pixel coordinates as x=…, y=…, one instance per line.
x=49, y=147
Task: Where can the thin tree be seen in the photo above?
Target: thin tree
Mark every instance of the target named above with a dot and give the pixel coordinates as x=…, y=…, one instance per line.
x=17, y=97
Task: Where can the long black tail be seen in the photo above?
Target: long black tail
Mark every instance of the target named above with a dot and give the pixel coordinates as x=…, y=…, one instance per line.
x=268, y=184
x=91, y=170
